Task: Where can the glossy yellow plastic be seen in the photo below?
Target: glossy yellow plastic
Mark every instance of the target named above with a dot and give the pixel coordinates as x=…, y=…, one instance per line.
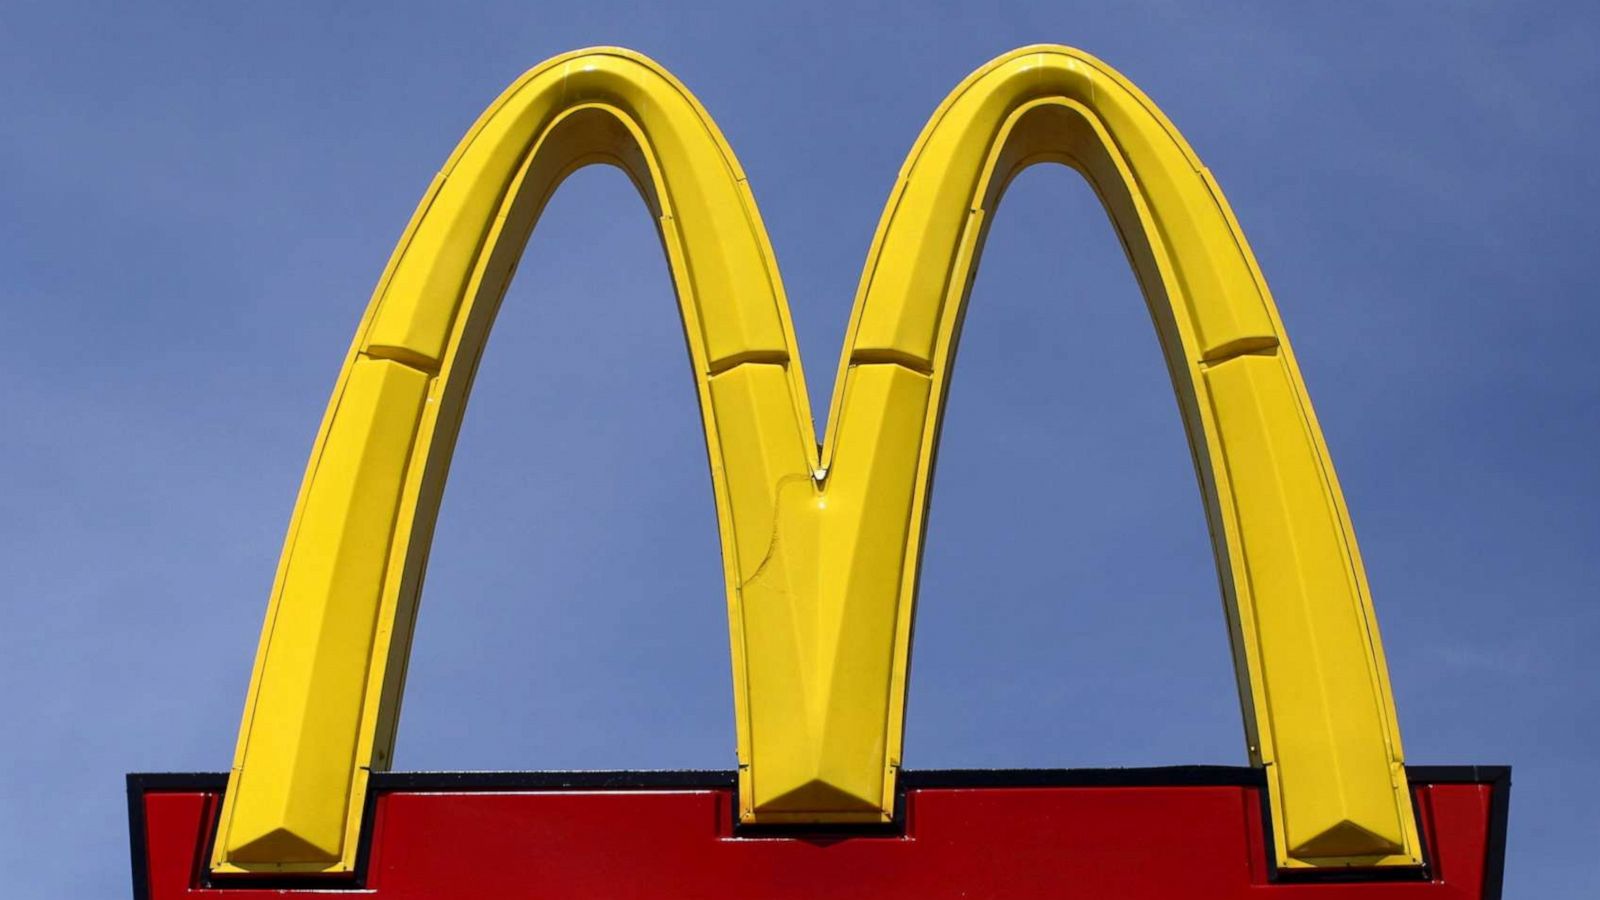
x=820, y=548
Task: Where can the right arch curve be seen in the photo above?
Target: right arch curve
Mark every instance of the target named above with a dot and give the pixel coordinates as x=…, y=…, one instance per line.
x=1319, y=713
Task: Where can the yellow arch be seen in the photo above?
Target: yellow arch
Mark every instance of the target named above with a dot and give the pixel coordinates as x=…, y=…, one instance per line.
x=820, y=551
x=1318, y=708
x=325, y=693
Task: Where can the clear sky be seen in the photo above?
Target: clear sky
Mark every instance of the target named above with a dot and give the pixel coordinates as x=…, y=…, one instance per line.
x=197, y=200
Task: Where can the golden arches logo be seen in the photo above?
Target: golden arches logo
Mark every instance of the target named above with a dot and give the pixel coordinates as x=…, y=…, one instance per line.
x=820, y=545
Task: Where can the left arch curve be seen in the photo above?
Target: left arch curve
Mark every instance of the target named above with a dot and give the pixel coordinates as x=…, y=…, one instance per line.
x=325, y=693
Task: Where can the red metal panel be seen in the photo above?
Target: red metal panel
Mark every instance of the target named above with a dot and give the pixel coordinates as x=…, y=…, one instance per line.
x=1204, y=842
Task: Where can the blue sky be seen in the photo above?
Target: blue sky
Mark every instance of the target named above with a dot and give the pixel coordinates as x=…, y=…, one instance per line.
x=198, y=199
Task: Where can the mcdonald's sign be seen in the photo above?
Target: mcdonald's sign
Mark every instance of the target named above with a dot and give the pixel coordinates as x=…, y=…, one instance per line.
x=820, y=546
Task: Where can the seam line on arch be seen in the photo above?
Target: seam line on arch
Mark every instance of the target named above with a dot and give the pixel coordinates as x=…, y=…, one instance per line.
x=890, y=356
x=735, y=360
x=404, y=356
x=1259, y=345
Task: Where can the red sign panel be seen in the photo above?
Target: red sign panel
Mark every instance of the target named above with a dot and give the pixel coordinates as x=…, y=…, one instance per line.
x=1191, y=832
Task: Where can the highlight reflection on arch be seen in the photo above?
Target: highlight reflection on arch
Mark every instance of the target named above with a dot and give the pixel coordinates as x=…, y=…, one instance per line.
x=820, y=549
